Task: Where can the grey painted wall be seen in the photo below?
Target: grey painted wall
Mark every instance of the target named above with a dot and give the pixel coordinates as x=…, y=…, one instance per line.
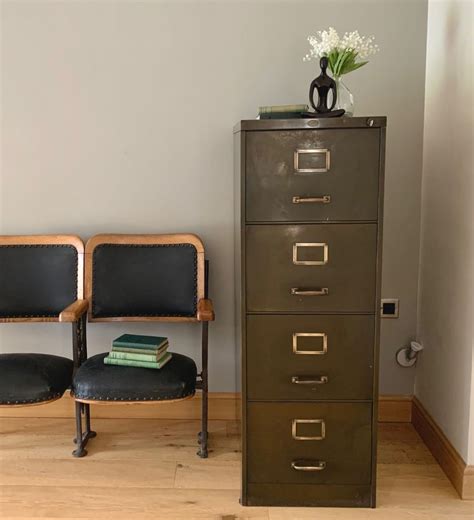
x=445, y=371
x=117, y=117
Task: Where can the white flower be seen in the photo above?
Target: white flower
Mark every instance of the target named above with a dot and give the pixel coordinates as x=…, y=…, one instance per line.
x=362, y=45
x=328, y=41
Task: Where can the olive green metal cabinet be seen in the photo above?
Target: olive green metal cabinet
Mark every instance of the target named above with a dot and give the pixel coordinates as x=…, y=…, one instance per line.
x=308, y=243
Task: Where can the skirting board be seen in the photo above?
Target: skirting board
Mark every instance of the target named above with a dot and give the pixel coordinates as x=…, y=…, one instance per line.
x=222, y=406
x=460, y=474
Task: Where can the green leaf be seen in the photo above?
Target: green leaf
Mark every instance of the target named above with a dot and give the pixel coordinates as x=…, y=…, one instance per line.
x=351, y=59
x=339, y=60
x=347, y=57
x=356, y=66
x=343, y=62
x=349, y=62
x=332, y=58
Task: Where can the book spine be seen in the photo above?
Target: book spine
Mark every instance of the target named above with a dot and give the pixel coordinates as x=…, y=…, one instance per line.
x=281, y=115
x=146, y=352
x=282, y=108
x=140, y=364
x=136, y=357
x=142, y=346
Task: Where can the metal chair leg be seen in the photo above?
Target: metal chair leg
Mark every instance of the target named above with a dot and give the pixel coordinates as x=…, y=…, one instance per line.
x=79, y=340
x=203, y=434
x=90, y=434
x=79, y=440
x=82, y=437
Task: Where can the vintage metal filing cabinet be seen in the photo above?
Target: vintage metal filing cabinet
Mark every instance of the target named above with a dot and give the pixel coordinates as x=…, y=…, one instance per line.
x=309, y=207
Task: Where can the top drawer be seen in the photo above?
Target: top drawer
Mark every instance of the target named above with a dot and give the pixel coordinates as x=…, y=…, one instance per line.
x=312, y=175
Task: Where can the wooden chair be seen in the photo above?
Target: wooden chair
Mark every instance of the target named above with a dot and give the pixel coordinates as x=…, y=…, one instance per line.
x=143, y=278
x=41, y=280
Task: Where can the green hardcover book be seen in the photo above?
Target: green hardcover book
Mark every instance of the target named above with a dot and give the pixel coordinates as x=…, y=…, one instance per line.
x=148, y=352
x=283, y=108
x=281, y=115
x=138, y=341
x=140, y=364
x=137, y=357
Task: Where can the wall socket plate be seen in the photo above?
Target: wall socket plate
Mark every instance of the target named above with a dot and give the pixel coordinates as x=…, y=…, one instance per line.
x=389, y=308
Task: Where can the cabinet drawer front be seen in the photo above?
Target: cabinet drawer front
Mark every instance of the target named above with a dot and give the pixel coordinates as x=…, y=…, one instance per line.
x=311, y=267
x=324, y=443
x=312, y=175
x=308, y=495
x=310, y=357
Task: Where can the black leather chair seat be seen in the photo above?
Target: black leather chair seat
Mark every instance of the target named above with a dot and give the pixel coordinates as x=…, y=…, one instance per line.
x=97, y=381
x=33, y=378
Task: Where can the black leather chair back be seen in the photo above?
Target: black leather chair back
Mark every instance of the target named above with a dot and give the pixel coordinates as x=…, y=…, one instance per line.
x=39, y=276
x=133, y=277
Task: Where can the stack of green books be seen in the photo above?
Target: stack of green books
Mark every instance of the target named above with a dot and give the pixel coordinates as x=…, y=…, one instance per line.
x=282, y=111
x=132, y=350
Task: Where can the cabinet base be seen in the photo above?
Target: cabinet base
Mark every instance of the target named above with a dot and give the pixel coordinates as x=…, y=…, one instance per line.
x=297, y=495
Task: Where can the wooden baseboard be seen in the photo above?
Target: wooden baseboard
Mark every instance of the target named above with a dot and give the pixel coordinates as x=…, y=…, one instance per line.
x=460, y=474
x=222, y=406
x=395, y=408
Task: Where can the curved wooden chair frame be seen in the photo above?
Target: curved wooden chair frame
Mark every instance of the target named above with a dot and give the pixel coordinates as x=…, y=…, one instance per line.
x=204, y=314
x=74, y=313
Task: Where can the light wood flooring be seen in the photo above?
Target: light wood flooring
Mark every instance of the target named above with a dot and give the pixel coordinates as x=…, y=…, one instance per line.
x=148, y=469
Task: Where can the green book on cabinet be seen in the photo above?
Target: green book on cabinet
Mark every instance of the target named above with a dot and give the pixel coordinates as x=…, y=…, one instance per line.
x=140, y=364
x=281, y=115
x=147, y=352
x=138, y=341
x=282, y=108
x=137, y=357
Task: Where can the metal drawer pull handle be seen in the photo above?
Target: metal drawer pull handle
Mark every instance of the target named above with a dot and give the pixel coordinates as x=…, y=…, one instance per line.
x=295, y=291
x=325, y=199
x=294, y=430
x=322, y=335
x=321, y=380
x=300, y=151
x=322, y=245
x=308, y=466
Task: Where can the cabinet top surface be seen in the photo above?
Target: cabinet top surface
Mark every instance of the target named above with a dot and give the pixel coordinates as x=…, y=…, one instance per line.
x=311, y=124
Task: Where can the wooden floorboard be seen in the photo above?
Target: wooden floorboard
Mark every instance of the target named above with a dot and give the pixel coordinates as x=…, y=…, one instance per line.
x=148, y=469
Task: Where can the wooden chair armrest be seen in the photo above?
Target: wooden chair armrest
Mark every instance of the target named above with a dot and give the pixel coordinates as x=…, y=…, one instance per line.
x=74, y=311
x=205, y=310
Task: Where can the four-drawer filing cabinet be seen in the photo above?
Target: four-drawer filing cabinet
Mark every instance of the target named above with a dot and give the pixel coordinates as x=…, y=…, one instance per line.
x=308, y=243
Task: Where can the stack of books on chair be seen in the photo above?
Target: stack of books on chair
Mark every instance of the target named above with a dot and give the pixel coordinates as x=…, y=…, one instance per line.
x=132, y=350
x=282, y=112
